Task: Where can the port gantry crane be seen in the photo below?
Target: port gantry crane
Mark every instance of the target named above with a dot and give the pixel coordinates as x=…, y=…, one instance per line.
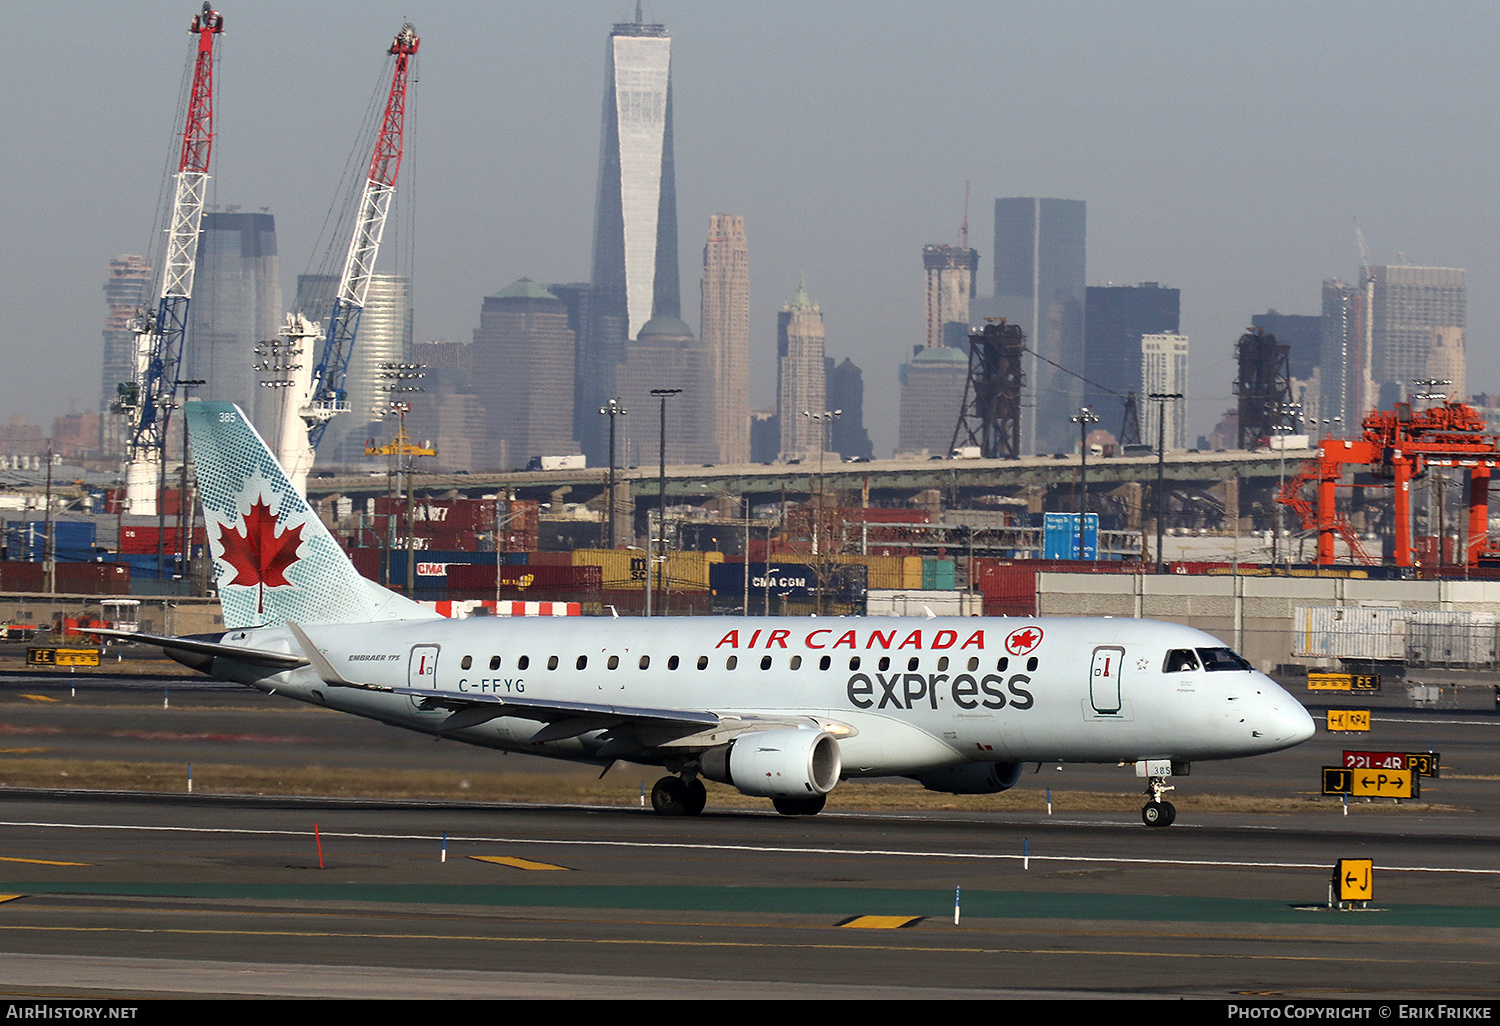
x=149, y=398
x=1400, y=445
x=320, y=396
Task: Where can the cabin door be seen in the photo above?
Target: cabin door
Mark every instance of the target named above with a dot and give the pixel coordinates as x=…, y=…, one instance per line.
x=1104, y=679
x=421, y=672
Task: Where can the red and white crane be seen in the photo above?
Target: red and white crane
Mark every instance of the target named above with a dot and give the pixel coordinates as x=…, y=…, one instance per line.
x=149, y=398
x=316, y=393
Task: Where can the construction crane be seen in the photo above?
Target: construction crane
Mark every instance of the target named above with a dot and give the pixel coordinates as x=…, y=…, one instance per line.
x=321, y=394
x=149, y=398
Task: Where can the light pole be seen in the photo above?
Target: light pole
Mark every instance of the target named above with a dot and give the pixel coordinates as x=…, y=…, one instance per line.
x=661, y=488
x=823, y=420
x=612, y=409
x=1084, y=418
x=1160, y=398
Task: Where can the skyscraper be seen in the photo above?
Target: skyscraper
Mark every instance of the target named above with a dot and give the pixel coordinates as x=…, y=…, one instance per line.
x=126, y=289
x=950, y=286
x=1344, y=342
x=236, y=303
x=846, y=391
x=635, y=274
x=726, y=332
x=385, y=336
x=1039, y=284
x=523, y=374
x=800, y=382
x=932, y=396
x=1409, y=302
x=1164, y=370
x=1117, y=318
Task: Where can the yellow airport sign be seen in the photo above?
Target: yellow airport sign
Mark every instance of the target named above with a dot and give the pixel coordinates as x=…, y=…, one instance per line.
x=1354, y=879
x=62, y=657
x=1372, y=783
x=1348, y=719
x=1343, y=681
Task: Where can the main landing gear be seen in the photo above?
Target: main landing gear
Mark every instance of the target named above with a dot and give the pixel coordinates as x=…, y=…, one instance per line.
x=686, y=796
x=1156, y=812
x=676, y=796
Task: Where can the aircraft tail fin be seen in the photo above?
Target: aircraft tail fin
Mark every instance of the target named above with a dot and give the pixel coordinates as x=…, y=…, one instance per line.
x=274, y=558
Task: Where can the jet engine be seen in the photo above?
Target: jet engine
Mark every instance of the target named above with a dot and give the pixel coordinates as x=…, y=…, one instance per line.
x=777, y=763
x=972, y=778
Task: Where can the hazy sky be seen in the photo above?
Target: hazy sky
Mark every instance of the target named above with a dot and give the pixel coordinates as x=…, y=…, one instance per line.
x=1222, y=149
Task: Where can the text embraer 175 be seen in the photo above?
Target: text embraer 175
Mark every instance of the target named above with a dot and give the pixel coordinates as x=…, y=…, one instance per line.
x=782, y=708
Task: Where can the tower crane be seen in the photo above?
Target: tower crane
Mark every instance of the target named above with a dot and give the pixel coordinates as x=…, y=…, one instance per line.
x=149, y=398
x=318, y=394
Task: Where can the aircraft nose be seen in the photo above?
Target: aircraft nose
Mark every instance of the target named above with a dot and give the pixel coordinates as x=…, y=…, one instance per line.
x=1288, y=722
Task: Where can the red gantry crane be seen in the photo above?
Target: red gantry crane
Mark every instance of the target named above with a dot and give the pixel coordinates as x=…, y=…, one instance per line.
x=148, y=399
x=1400, y=444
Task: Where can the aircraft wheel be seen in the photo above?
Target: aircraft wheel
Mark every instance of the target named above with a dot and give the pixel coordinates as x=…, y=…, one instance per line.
x=1171, y=811
x=800, y=806
x=695, y=796
x=1157, y=814
x=669, y=797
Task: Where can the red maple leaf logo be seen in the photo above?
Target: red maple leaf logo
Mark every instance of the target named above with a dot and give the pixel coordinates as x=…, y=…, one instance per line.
x=1021, y=641
x=260, y=556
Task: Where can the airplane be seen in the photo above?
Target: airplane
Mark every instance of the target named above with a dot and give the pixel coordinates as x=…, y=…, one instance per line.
x=783, y=708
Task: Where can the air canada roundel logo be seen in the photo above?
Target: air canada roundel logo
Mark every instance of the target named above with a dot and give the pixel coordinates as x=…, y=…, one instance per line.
x=1019, y=642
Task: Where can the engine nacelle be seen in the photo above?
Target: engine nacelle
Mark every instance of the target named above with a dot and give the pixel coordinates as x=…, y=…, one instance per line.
x=972, y=778
x=777, y=763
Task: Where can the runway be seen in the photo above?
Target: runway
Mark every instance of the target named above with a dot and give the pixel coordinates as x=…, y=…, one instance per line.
x=135, y=895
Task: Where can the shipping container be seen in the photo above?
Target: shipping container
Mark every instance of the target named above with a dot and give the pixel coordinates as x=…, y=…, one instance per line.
x=73, y=541
x=921, y=602
x=1349, y=632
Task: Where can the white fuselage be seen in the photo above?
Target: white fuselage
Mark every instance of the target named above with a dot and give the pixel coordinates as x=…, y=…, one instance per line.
x=919, y=695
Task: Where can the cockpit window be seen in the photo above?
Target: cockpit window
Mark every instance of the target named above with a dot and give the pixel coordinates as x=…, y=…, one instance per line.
x=1180, y=660
x=1216, y=659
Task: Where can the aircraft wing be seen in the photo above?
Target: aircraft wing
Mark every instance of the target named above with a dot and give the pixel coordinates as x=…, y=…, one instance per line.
x=628, y=728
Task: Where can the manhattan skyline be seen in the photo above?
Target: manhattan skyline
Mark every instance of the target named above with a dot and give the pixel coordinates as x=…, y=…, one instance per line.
x=1224, y=152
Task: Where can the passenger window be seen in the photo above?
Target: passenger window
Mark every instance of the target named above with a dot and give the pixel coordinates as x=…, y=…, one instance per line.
x=885, y=663
x=854, y=662
x=614, y=662
x=645, y=662
x=552, y=662
x=731, y=662
x=466, y=662
x=672, y=663
x=1031, y=665
x=703, y=662
x=911, y=664
x=825, y=663
x=942, y=664
x=796, y=662
x=583, y=661
x=765, y=662
x=523, y=662
x=973, y=663
x=494, y=662
x=1180, y=660
x=1003, y=664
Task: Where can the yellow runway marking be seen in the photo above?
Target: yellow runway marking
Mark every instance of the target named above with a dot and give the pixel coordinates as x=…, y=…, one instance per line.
x=881, y=922
x=8, y=897
x=22, y=751
x=515, y=863
x=44, y=862
x=40, y=698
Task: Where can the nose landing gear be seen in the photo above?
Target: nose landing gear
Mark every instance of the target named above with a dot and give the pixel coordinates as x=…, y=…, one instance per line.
x=1158, y=813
